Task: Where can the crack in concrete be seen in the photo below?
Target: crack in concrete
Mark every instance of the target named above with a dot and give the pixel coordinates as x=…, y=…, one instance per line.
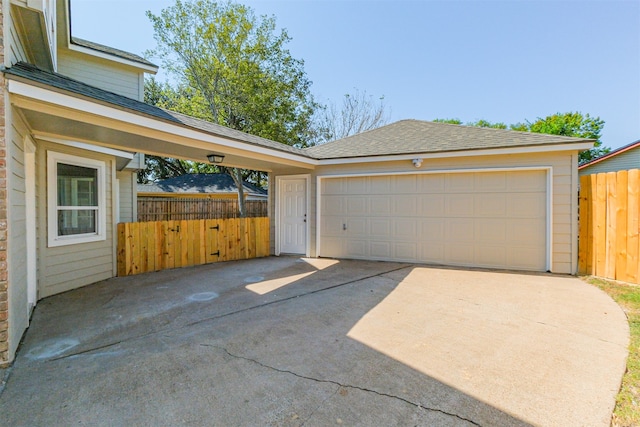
x=325, y=381
x=221, y=316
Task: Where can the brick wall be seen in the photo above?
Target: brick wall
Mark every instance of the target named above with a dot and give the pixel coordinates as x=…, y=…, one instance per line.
x=4, y=309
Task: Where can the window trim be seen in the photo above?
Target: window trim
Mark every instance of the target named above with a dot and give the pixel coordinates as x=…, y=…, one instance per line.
x=53, y=158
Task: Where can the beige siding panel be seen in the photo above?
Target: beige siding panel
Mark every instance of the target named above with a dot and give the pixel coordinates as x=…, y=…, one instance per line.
x=623, y=161
x=17, y=241
x=15, y=50
x=494, y=219
x=564, y=216
x=68, y=267
x=127, y=203
x=101, y=73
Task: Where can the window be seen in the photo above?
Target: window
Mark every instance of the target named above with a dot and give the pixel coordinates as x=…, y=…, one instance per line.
x=76, y=199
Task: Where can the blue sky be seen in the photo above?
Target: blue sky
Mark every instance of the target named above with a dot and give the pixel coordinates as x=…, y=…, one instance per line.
x=506, y=61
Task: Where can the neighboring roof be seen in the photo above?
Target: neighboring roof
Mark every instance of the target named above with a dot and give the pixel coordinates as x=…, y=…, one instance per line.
x=610, y=154
x=32, y=73
x=199, y=183
x=415, y=136
x=111, y=51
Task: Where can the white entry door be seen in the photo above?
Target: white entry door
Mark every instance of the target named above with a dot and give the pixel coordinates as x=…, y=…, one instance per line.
x=293, y=215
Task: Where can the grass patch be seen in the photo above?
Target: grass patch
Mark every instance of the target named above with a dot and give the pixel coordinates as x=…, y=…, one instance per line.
x=627, y=410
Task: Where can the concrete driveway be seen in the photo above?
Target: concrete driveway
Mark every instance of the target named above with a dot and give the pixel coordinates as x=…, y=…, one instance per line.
x=291, y=342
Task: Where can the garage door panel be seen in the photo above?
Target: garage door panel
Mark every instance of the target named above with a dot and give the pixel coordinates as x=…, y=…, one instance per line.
x=459, y=254
x=405, y=251
x=460, y=230
x=527, y=181
x=380, y=250
x=331, y=225
x=495, y=219
x=380, y=227
x=432, y=205
x=380, y=205
x=525, y=258
x=357, y=205
x=357, y=227
x=459, y=205
x=490, y=204
x=490, y=182
x=404, y=184
x=333, y=205
x=356, y=185
x=459, y=183
x=527, y=205
x=405, y=228
x=404, y=206
x=432, y=229
x=431, y=183
x=491, y=230
x=491, y=256
x=357, y=248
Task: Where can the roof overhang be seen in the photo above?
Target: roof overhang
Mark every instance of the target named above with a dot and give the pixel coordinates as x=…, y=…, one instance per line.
x=462, y=153
x=53, y=114
x=611, y=154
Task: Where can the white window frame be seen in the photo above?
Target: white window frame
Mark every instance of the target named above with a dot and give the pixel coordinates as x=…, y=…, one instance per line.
x=53, y=158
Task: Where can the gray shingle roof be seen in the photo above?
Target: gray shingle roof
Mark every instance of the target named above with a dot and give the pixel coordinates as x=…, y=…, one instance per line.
x=415, y=136
x=403, y=137
x=111, y=51
x=199, y=183
x=32, y=73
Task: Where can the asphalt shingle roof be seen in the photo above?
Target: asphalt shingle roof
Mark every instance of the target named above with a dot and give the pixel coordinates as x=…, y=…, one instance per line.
x=58, y=81
x=403, y=137
x=415, y=136
x=111, y=51
x=199, y=183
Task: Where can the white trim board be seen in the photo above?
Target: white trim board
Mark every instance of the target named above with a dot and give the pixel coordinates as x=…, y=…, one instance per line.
x=549, y=197
x=278, y=191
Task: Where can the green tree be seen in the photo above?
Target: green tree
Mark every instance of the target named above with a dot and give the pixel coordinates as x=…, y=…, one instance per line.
x=572, y=124
x=239, y=67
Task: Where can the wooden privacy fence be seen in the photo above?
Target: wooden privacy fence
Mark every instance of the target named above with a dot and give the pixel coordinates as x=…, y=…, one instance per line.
x=165, y=209
x=609, y=211
x=159, y=245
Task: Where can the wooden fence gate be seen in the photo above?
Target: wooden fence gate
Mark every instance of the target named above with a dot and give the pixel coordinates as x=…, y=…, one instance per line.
x=608, y=237
x=159, y=245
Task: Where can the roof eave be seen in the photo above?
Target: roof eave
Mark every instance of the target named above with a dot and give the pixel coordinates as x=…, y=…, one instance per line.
x=574, y=146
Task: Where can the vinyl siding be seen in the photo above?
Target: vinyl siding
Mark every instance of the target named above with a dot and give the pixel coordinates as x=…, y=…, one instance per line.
x=104, y=74
x=14, y=51
x=564, y=216
x=17, y=231
x=127, y=196
x=68, y=267
x=624, y=161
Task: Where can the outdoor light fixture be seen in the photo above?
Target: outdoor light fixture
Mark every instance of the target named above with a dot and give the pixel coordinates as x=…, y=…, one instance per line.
x=215, y=158
x=417, y=162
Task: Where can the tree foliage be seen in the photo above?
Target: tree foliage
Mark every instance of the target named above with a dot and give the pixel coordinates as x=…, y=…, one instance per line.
x=572, y=124
x=233, y=69
x=238, y=65
x=358, y=113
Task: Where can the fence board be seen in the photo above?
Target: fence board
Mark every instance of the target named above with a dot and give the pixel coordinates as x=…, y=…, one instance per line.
x=166, y=209
x=159, y=245
x=609, y=243
x=621, y=225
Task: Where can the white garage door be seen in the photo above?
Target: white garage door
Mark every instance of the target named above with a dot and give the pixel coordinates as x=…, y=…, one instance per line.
x=484, y=219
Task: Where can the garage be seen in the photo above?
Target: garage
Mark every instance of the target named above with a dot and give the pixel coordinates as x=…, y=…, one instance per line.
x=482, y=218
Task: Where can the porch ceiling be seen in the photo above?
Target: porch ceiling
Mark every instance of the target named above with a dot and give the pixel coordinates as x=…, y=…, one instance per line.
x=47, y=125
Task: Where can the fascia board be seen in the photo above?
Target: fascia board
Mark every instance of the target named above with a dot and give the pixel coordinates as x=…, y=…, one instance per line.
x=103, y=55
x=469, y=153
